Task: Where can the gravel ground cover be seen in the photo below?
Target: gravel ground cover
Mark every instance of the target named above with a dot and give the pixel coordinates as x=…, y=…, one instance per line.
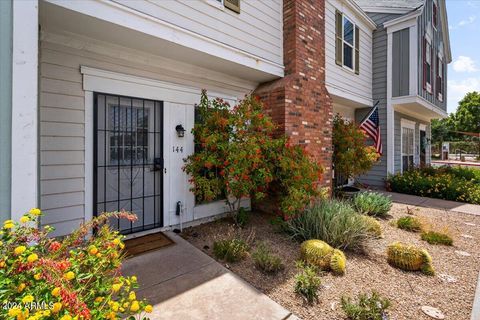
x=451, y=290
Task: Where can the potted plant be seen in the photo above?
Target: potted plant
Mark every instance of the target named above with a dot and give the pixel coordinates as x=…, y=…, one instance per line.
x=351, y=156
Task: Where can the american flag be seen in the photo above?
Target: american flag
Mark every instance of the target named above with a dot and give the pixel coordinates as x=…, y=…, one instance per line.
x=371, y=127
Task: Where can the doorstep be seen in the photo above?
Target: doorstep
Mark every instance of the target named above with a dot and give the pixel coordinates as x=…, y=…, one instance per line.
x=182, y=282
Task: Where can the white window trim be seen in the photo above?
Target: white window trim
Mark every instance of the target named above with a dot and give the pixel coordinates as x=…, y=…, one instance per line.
x=434, y=3
x=348, y=44
x=409, y=124
x=428, y=57
x=216, y=3
x=440, y=74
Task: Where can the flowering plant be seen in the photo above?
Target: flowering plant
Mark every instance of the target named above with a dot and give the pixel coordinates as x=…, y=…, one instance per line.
x=454, y=184
x=238, y=157
x=351, y=155
x=75, y=278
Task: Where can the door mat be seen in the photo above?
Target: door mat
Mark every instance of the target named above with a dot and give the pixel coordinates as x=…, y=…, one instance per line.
x=147, y=243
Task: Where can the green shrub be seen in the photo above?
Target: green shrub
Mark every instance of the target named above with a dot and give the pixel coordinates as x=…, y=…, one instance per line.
x=332, y=221
x=411, y=224
x=265, y=260
x=372, y=204
x=231, y=250
x=456, y=184
x=307, y=282
x=367, y=307
x=242, y=217
x=434, y=237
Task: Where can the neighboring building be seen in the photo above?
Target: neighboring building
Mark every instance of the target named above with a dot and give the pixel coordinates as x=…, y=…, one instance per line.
x=405, y=71
x=96, y=89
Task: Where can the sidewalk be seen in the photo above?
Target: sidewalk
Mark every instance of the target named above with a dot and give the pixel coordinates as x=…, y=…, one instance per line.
x=183, y=283
x=434, y=203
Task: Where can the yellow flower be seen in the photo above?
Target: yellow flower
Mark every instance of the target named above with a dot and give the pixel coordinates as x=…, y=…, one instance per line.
x=148, y=308
x=20, y=287
x=1, y=243
x=32, y=258
x=116, y=287
x=24, y=219
x=135, y=306
x=7, y=221
x=8, y=225
x=27, y=299
x=56, y=292
x=99, y=299
x=19, y=250
x=112, y=316
x=132, y=296
x=98, y=255
x=38, y=276
x=66, y=317
x=116, y=241
x=133, y=278
x=115, y=306
x=69, y=275
x=14, y=312
x=92, y=250
x=122, y=245
x=2, y=264
x=57, y=306
x=35, y=211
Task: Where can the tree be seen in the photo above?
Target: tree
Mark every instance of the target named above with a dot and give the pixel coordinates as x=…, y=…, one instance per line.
x=467, y=116
x=351, y=155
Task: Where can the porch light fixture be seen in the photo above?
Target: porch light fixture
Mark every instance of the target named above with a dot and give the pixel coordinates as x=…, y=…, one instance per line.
x=180, y=131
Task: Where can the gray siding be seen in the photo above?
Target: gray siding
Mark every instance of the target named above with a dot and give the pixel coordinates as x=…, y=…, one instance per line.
x=400, y=63
x=423, y=21
x=5, y=106
x=376, y=176
x=398, y=140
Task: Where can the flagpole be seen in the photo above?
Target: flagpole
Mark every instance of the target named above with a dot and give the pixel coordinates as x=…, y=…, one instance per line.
x=370, y=112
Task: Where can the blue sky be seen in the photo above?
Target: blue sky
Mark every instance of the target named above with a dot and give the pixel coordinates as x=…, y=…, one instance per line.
x=464, y=71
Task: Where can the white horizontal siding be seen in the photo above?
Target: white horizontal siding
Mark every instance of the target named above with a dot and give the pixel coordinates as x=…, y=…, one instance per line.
x=354, y=86
x=256, y=30
x=62, y=116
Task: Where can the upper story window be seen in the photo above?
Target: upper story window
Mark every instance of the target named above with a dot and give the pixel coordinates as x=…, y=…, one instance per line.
x=427, y=64
x=347, y=44
x=440, y=78
x=434, y=14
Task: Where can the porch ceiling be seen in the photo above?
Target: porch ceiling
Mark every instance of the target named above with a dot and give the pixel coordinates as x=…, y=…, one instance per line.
x=55, y=18
x=418, y=108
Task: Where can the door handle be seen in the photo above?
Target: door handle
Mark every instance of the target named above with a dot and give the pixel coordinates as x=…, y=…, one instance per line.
x=158, y=164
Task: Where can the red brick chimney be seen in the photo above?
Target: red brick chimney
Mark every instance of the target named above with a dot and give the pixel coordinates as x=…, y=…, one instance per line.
x=299, y=103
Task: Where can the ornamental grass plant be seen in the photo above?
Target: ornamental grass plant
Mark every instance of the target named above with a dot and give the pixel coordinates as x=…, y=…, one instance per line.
x=77, y=277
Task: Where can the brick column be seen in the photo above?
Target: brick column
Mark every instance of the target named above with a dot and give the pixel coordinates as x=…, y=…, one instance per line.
x=299, y=103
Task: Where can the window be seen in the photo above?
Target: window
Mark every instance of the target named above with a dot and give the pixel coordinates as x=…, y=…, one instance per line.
x=407, y=147
x=427, y=65
x=128, y=134
x=440, y=78
x=347, y=45
x=348, y=31
x=434, y=14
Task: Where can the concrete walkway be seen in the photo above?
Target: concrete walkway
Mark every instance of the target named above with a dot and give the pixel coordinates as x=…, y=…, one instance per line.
x=183, y=283
x=434, y=203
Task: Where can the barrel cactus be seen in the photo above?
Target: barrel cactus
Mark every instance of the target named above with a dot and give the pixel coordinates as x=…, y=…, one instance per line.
x=374, y=227
x=321, y=254
x=410, y=258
